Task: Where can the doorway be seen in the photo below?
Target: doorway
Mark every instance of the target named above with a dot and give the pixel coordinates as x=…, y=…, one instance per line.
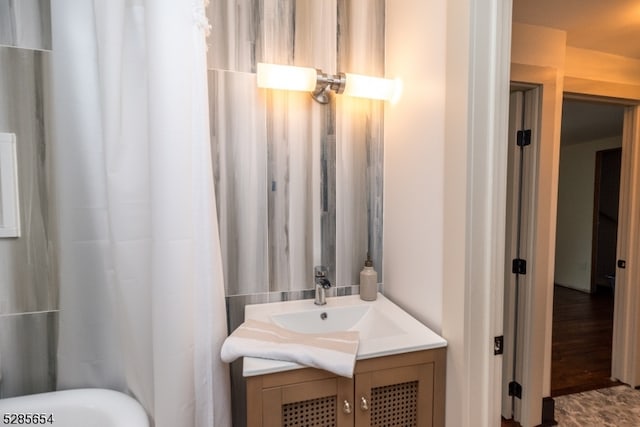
x=533, y=369
x=586, y=237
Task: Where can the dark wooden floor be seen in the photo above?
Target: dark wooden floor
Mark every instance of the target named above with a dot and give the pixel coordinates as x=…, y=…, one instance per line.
x=581, y=342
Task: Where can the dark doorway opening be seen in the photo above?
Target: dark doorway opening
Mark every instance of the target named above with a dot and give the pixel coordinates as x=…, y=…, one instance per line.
x=605, y=218
x=586, y=237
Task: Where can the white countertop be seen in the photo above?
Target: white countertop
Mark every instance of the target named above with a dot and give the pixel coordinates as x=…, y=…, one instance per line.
x=388, y=330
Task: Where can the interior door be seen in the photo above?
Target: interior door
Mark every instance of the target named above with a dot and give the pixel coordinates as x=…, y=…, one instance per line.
x=523, y=117
x=626, y=321
x=605, y=217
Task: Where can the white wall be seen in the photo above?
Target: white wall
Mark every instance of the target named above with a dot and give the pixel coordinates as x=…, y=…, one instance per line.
x=440, y=147
x=575, y=212
x=414, y=159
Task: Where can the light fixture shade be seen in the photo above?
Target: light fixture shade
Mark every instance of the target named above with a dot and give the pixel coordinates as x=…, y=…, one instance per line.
x=373, y=87
x=286, y=77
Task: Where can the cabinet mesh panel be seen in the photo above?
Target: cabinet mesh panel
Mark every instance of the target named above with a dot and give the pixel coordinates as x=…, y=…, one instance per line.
x=395, y=405
x=319, y=412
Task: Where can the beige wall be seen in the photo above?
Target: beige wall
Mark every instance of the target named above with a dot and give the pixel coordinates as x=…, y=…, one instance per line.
x=599, y=66
x=414, y=159
x=428, y=136
x=575, y=212
x=539, y=46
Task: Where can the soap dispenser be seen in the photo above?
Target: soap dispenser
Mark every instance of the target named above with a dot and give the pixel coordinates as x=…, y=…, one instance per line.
x=368, y=281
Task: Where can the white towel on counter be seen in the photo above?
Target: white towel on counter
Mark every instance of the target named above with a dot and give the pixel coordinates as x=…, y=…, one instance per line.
x=332, y=351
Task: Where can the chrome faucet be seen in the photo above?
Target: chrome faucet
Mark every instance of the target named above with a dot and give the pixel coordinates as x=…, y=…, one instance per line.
x=322, y=284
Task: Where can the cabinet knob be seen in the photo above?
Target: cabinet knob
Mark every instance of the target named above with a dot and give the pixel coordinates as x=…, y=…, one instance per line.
x=346, y=407
x=364, y=405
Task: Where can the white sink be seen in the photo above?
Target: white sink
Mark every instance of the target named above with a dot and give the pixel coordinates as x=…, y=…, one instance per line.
x=330, y=319
x=366, y=319
x=384, y=328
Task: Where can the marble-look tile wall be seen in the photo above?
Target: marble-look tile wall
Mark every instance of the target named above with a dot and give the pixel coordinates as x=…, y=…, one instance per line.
x=28, y=343
x=26, y=270
x=297, y=183
x=28, y=288
x=25, y=23
x=359, y=141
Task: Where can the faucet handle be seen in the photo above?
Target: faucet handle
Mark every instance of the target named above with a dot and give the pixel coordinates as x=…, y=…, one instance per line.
x=320, y=271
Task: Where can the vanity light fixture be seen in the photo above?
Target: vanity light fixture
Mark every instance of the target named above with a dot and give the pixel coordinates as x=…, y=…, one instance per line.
x=272, y=76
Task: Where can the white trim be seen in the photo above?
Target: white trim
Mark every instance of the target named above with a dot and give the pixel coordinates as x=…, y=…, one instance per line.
x=473, y=395
x=525, y=105
x=516, y=107
x=532, y=348
x=538, y=296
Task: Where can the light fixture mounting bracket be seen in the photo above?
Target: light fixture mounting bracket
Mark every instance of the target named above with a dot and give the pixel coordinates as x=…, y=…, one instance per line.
x=327, y=82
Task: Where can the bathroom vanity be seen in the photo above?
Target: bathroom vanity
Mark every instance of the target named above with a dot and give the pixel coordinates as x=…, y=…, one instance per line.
x=400, y=390
x=399, y=376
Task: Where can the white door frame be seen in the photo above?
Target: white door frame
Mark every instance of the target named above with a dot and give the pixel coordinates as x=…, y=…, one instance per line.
x=538, y=294
x=626, y=323
x=478, y=57
x=473, y=294
x=524, y=114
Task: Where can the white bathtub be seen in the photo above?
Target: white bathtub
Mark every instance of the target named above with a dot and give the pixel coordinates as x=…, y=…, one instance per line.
x=91, y=407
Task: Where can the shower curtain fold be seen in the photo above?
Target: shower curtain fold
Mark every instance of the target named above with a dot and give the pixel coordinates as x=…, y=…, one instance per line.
x=142, y=294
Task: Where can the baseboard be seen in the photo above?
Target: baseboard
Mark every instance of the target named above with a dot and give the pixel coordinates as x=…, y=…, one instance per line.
x=575, y=288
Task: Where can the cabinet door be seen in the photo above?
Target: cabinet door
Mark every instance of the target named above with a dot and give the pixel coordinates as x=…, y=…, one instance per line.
x=395, y=397
x=324, y=403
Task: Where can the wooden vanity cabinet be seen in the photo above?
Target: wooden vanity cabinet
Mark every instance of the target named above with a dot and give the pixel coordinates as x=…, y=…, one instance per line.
x=399, y=390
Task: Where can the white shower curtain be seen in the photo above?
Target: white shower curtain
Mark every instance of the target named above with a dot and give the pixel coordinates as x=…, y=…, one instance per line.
x=141, y=287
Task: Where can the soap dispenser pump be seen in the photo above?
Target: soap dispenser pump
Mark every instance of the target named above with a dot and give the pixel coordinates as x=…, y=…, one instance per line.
x=368, y=281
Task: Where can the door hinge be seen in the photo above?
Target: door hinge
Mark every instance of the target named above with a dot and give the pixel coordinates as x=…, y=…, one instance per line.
x=523, y=137
x=515, y=389
x=498, y=345
x=519, y=266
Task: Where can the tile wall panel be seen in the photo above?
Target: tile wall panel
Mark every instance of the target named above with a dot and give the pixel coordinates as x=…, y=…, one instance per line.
x=323, y=163
x=25, y=24
x=239, y=150
x=314, y=35
x=359, y=142
x=277, y=31
x=27, y=278
x=236, y=34
x=291, y=178
x=284, y=133
x=28, y=353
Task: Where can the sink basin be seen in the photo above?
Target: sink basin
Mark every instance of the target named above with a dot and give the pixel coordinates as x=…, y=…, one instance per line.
x=370, y=322
x=331, y=319
x=384, y=328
